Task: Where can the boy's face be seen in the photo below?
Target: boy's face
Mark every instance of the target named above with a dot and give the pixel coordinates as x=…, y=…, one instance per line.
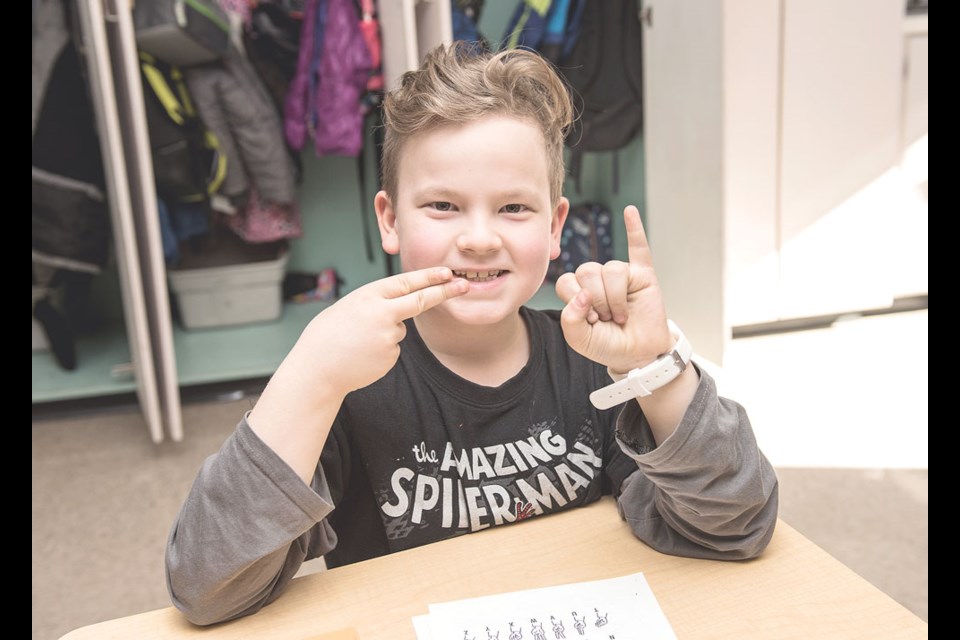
x=476, y=198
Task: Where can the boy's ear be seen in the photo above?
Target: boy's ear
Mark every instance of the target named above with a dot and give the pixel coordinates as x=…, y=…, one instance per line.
x=387, y=221
x=556, y=226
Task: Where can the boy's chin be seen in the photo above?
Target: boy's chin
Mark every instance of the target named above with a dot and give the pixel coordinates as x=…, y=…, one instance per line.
x=478, y=312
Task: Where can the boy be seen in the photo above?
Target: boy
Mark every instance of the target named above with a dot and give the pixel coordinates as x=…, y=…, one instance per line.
x=434, y=403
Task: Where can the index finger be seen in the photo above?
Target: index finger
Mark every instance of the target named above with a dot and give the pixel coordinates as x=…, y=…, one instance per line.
x=414, y=292
x=638, y=251
x=405, y=283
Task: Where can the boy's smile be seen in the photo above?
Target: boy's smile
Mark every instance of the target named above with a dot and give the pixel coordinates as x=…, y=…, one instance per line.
x=479, y=276
x=476, y=198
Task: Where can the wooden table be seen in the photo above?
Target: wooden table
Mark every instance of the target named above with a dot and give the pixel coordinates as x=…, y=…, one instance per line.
x=794, y=590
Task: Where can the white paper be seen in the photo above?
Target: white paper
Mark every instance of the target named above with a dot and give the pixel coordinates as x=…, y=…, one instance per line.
x=615, y=609
x=421, y=626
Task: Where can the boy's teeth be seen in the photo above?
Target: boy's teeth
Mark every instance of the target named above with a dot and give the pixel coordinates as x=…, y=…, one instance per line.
x=478, y=276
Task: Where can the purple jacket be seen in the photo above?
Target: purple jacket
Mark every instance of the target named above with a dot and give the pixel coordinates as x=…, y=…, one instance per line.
x=345, y=66
x=295, y=108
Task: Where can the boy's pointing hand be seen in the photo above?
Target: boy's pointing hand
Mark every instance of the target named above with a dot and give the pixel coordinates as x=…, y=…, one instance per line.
x=614, y=312
x=356, y=341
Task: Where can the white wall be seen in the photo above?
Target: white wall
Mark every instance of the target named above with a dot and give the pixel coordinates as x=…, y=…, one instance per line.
x=751, y=104
x=813, y=127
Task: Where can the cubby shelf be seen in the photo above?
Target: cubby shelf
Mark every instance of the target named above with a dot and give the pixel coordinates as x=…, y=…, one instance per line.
x=203, y=355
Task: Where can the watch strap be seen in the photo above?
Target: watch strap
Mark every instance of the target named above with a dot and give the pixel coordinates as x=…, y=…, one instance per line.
x=643, y=381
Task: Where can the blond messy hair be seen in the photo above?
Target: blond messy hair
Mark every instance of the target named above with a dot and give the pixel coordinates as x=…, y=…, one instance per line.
x=457, y=84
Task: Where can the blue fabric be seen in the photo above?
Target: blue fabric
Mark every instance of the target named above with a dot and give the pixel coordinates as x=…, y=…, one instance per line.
x=556, y=22
x=572, y=28
x=529, y=23
x=463, y=27
x=178, y=223
x=190, y=219
x=171, y=249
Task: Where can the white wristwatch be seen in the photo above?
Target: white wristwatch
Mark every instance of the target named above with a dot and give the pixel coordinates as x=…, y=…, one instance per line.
x=641, y=382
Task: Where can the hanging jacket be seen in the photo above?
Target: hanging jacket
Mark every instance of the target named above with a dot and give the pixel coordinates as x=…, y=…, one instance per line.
x=70, y=212
x=333, y=67
x=49, y=33
x=316, y=56
x=234, y=104
x=370, y=28
x=272, y=42
x=295, y=107
x=344, y=70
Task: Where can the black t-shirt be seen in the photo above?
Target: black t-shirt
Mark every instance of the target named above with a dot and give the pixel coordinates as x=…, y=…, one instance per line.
x=422, y=454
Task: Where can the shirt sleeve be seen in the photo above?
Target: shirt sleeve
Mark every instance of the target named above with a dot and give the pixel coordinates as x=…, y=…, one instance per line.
x=243, y=531
x=707, y=491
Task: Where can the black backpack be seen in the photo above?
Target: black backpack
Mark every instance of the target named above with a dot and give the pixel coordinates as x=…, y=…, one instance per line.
x=188, y=165
x=587, y=237
x=605, y=71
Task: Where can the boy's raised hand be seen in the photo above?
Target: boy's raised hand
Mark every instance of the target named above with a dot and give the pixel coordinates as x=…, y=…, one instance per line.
x=356, y=341
x=614, y=312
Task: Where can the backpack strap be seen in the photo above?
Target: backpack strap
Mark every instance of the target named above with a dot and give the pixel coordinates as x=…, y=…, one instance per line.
x=616, y=171
x=179, y=108
x=555, y=30
x=376, y=113
x=378, y=136
x=158, y=82
x=575, y=167
x=218, y=172
x=364, y=211
x=527, y=24
x=184, y=94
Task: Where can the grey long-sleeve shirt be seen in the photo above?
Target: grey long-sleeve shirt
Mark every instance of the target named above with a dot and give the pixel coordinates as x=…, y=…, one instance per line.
x=423, y=455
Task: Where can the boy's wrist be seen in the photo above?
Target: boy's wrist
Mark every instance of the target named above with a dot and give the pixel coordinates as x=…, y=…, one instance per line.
x=621, y=369
x=643, y=381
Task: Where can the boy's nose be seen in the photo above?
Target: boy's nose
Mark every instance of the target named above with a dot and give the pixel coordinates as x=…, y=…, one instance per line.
x=479, y=236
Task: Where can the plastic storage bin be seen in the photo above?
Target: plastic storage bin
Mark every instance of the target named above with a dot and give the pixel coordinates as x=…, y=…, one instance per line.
x=229, y=295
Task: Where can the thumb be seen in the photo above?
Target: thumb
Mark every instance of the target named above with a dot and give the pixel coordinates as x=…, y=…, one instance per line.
x=573, y=321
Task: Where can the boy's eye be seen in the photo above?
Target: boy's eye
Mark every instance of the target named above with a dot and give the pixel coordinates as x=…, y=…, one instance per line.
x=513, y=208
x=442, y=206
